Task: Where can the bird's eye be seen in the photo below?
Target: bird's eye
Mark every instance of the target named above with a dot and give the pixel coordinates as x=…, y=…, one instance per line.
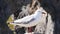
x=43, y=13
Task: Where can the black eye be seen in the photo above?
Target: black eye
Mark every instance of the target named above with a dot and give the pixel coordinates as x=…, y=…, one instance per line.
x=43, y=13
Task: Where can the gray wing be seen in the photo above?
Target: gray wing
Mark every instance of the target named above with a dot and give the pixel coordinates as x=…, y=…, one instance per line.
x=26, y=22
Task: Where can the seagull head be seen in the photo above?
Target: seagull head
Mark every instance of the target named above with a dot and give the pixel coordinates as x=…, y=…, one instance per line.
x=41, y=11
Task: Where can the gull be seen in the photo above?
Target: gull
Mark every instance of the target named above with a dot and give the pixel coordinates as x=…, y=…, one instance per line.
x=30, y=20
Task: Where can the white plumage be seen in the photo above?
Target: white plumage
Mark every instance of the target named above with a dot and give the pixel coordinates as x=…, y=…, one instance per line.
x=30, y=20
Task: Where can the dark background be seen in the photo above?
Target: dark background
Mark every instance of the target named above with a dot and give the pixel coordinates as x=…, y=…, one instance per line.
x=7, y=7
